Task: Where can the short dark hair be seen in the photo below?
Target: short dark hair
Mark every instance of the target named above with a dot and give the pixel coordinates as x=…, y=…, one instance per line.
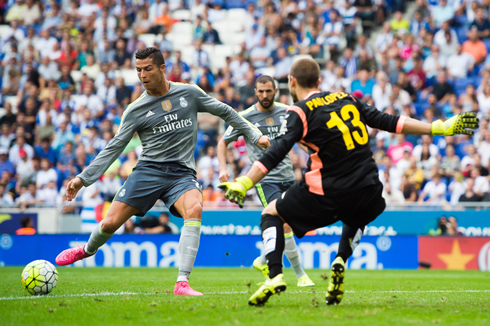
x=307, y=72
x=264, y=79
x=25, y=221
x=152, y=53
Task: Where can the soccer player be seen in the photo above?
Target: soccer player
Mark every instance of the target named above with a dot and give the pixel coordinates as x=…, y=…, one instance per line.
x=342, y=180
x=165, y=118
x=268, y=116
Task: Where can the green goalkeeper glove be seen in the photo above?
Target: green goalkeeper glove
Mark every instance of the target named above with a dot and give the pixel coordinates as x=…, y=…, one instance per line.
x=236, y=191
x=456, y=125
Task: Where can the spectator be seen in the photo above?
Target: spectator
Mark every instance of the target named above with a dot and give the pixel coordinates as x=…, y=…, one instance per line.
x=247, y=92
x=475, y=47
x=6, y=198
x=469, y=195
x=15, y=150
x=46, y=174
x=460, y=64
x=363, y=83
x=211, y=36
x=408, y=189
x=283, y=66
x=6, y=137
x=9, y=118
x=395, y=151
x=399, y=22
x=200, y=58
x=417, y=76
x=260, y=53
x=452, y=227
x=5, y=164
x=62, y=136
x=91, y=69
x=482, y=185
x=349, y=63
x=434, y=63
x=435, y=190
x=481, y=24
x=44, y=150
x=484, y=149
x=392, y=196
x=153, y=225
x=27, y=226
x=123, y=92
x=333, y=31
x=91, y=198
x=442, y=89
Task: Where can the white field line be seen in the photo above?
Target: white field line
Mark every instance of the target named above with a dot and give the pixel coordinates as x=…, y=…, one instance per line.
x=221, y=293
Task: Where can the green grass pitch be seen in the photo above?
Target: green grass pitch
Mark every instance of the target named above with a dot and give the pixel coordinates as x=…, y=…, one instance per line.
x=143, y=296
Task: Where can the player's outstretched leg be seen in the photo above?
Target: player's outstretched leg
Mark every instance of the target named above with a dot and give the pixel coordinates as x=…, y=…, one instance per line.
x=118, y=214
x=189, y=205
x=291, y=251
x=273, y=237
x=351, y=236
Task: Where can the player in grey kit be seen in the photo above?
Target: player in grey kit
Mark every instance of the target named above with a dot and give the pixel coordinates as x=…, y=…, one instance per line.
x=165, y=118
x=268, y=116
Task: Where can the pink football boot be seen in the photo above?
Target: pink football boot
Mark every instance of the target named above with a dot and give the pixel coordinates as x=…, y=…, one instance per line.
x=183, y=288
x=69, y=256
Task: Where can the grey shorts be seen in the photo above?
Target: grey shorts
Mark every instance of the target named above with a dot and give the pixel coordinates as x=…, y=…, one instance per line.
x=151, y=181
x=268, y=191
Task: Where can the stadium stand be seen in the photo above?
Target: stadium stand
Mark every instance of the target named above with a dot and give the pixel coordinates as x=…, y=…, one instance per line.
x=61, y=63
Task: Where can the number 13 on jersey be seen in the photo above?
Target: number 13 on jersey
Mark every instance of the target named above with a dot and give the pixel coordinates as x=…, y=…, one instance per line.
x=349, y=112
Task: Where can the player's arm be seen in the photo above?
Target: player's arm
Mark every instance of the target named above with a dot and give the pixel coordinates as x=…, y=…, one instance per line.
x=291, y=132
x=458, y=124
x=229, y=136
x=225, y=112
x=104, y=159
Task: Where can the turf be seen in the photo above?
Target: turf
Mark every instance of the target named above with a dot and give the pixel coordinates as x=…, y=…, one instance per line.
x=92, y=296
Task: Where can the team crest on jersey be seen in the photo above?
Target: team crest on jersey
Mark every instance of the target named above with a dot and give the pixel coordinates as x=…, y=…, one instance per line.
x=270, y=121
x=183, y=102
x=167, y=105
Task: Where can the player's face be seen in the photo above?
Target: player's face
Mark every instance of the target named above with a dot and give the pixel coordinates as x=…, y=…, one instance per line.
x=149, y=74
x=265, y=94
x=292, y=88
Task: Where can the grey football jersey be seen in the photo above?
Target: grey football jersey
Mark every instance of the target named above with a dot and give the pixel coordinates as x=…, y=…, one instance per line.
x=167, y=127
x=269, y=124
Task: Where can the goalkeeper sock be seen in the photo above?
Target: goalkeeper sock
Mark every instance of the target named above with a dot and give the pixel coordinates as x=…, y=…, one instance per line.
x=273, y=238
x=97, y=239
x=348, y=241
x=188, y=246
x=291, y=251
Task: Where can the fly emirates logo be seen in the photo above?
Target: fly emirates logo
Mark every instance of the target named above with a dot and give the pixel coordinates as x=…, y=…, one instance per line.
x=172, y=122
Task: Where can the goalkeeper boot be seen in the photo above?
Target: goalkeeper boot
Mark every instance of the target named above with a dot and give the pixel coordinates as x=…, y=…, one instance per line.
x=270, y=287
x=305, y=281
x=183, y=288
x=336, y=286
x=69, y=256
x=263, y=268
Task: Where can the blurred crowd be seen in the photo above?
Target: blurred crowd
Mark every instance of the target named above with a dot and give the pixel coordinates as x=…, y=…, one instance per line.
x=67, y=74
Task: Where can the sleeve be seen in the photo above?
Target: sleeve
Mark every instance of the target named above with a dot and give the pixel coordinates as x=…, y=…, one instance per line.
x=111, y=152
x=231, y=134
x=217, y=108
x=292, y=131
x=376, y=119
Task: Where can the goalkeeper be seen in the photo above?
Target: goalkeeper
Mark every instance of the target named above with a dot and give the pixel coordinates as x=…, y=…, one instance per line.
x=341, y=182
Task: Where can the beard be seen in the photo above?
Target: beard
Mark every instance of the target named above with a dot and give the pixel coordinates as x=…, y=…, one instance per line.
x=294, y=96
x=269, y=103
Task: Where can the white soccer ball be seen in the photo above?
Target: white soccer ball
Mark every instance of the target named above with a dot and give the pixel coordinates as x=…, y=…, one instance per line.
x=39, y=277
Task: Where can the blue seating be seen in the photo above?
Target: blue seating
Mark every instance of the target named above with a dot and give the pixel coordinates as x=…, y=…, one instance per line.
x=461, y=32
x=487, y=44
x=420, y=107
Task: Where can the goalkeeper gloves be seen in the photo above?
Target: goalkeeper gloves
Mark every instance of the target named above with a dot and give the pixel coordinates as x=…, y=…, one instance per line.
x=236, y=191
x=456, y=125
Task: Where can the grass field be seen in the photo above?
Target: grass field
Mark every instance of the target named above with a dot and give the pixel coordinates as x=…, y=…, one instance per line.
x=142, y=296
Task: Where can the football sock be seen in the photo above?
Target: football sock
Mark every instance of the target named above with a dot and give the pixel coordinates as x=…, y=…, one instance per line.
x=188, y=246
x=97, y=239
x=262, y=258
x=349, y=240
x=273, y=238
x=291, y=252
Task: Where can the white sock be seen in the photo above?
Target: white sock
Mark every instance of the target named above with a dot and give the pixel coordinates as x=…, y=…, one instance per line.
x=188, y=246
x=97, y=239
x=291, y=251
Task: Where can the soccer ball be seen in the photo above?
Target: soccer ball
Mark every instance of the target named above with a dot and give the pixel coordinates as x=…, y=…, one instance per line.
x=39, y=277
